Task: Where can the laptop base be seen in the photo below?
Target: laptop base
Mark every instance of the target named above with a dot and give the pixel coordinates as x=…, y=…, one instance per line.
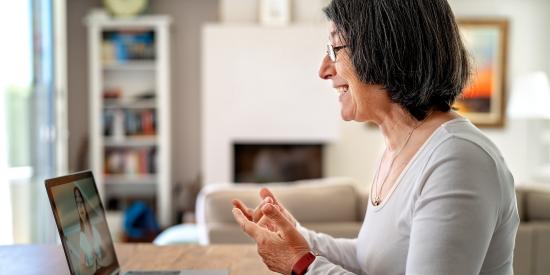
x=179, y=272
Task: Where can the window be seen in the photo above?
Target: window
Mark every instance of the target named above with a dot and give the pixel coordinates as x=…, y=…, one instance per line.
x=27, y=120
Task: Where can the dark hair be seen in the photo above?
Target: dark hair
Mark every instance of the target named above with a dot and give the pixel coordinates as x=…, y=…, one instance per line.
x=87, y=222
x=411, y=47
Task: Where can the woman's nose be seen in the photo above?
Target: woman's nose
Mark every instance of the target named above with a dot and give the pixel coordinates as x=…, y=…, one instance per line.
x=327, y=70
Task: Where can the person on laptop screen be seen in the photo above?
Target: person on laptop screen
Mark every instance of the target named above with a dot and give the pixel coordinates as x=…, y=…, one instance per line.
x=91, y=250
x=83, y=228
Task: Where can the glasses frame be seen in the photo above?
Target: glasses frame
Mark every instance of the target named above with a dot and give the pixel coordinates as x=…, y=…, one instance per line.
x=332, y=51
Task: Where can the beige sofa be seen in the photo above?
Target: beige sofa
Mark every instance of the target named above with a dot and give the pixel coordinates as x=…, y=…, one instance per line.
x=333, y=206
x=337, y=207
x=532, y=251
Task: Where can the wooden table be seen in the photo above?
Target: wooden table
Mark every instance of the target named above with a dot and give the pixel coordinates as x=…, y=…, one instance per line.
x=49, y=259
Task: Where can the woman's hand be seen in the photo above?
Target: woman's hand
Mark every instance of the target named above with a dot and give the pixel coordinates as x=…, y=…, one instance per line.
x=255, y=215
x=281, y=246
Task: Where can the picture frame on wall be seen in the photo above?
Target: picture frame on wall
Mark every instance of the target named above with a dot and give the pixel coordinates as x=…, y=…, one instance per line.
x=275, y=12
x=483, y=101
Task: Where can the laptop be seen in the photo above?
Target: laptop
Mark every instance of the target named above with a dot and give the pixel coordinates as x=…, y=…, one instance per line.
x=85, y=236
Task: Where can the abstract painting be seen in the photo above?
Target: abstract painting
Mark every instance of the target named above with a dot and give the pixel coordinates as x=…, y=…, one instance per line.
x=483, y=100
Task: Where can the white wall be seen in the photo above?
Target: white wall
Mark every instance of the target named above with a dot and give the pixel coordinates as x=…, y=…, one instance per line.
x=247, y=11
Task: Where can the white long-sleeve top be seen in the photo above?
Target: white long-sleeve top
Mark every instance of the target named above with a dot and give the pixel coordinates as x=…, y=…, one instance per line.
x=452, y=211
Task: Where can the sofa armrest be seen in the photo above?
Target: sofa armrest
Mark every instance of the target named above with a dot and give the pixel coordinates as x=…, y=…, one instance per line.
x=535, y=201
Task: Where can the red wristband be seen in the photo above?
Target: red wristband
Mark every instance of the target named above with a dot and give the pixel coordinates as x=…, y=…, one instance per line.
x=301, y=266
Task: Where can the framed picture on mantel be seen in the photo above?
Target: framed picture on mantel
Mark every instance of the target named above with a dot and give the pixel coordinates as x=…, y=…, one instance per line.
x=483, y=101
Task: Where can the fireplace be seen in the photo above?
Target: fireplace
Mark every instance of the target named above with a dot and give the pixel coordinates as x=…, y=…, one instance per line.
x=295, y=107
x=261, y=163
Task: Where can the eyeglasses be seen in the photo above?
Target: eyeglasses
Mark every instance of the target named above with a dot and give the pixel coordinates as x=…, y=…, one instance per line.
x=332, y=51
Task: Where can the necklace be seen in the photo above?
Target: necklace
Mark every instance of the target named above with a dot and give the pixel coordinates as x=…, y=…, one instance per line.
x=378, y=198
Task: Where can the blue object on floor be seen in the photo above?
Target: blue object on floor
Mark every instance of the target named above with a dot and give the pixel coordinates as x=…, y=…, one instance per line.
x=178, y=234
x=140, y=221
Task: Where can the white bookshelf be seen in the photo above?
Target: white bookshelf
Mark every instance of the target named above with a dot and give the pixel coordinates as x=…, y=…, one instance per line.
x=142, y=84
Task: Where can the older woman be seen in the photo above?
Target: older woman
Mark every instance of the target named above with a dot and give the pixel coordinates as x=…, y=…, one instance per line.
x=442, y=200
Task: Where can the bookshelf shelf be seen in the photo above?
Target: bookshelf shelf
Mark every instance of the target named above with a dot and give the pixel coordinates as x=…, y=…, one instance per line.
x=131, y=142
x=130, y=104
x=131, y=179
x=130, y=123
x=129, y=65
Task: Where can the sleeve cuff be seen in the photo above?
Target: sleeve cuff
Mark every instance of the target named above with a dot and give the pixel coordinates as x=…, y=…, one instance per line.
x=316, y=266
x=305, y=233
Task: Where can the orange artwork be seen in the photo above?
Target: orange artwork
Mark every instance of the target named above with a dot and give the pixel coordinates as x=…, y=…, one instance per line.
x=482, y=101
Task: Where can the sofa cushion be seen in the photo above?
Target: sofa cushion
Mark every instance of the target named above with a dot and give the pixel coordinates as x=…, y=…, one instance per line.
x=523, y=250
x=321, y=203
x=541, y=248
x=323, y=200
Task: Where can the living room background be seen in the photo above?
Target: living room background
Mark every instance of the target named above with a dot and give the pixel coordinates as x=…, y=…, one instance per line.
x=246, y=106
x=350, y=155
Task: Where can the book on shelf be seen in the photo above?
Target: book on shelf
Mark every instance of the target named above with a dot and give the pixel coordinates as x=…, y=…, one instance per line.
x=122, y=123
x=131, y=162
x=127, y=45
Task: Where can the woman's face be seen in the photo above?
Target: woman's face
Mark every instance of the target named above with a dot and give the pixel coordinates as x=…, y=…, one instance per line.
x=356, y=97
x=80, y=204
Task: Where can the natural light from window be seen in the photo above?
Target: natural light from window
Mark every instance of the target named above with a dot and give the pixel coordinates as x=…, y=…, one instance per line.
x=15, y=87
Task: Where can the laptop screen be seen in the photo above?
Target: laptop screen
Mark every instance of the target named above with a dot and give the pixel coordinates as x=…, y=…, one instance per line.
x=81, y=223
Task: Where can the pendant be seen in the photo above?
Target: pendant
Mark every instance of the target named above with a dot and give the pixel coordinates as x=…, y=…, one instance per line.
x=376, y=202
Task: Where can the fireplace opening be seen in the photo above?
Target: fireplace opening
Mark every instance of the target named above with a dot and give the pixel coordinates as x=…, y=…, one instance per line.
x=261, y=163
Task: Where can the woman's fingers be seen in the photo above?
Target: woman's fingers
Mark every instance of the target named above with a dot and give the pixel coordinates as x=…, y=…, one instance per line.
x=279, y=220
x=248, y=213
x=279, y=244
x=266, y=193
x=251, y=214
x=257, y=213
x=266, y=223
x=250, y=228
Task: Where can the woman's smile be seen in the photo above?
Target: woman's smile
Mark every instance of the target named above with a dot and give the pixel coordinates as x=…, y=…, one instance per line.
x=342, y=91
